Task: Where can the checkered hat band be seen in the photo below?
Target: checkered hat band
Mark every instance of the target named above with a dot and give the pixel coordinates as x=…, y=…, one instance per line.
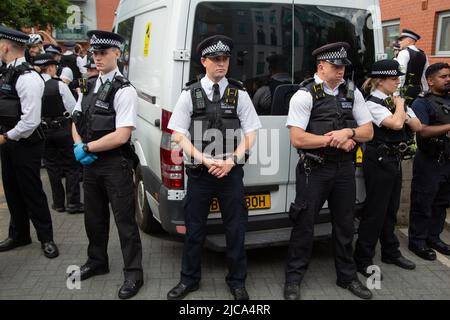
x=218, y=47
x=21, y=40
x=108, y=42
x=385, y=73
x=332, y=55
x=44, y=61
x=53, y=50
x=410, y=35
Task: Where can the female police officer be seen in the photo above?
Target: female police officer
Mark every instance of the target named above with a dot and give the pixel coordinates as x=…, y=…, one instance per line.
x=326, y=116
x=103, y=126
x=393, y=128
x=225, y=101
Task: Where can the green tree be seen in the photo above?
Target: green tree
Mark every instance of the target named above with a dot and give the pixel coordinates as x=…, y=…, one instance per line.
x=33, y=13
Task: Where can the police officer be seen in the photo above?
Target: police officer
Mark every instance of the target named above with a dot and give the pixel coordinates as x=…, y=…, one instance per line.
x=413, y=62
x=279, y=75
x=72, y=60
x=22, y=145
x=393, y=131
x=63, y=72
x=430, y=186
x=57, y=106
x=213, y=104
x=327, y=116
x=102, y=131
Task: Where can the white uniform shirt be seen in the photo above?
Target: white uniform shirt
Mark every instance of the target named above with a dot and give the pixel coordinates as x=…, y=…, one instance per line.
x=180, y=120
x=379, y=112
x=30, y=89
x=301, y=104
x=66, y=74
x=403, y=59
x=67, y=96
x=125, y=101
x=81, y=62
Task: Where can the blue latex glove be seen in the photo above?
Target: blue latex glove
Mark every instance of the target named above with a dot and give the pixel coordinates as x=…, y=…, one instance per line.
x=79, y=152
x=89, y=159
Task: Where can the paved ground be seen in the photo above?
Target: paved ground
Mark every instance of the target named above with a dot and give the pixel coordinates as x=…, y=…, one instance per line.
x=26, y=274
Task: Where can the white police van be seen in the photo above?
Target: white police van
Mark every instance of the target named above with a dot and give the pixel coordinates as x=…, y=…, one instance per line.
x=159, y=58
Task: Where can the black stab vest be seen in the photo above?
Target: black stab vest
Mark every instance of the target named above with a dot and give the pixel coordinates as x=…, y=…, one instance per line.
x=383, y=135
x=10, y=107
x=52, y=102
x=434, y=146
x=208, y=116
x=329, y=113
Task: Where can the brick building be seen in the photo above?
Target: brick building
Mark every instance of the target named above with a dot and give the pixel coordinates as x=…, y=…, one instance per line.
x=429, y=18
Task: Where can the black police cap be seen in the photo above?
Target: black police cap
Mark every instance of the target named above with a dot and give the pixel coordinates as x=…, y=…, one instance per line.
x=217, y=45
x=45, y=59
x=70, y=44
x=101, y=40
x=13, y=35
x=334, y=53
x=410, y=34
x=50, y=48
x=385, y=69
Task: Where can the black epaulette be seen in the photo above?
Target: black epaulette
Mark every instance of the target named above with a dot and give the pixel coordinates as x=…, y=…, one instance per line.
x=306, y=82
x=189, y=84
x=237, y=83
x=124, y=82
x=24, y=68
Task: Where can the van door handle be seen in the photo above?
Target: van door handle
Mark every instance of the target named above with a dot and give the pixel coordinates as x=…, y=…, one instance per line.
x=157, y=123
x=147, y=97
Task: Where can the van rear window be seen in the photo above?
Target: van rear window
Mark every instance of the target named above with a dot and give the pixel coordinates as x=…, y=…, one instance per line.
x=273, y=42
x=125, y=29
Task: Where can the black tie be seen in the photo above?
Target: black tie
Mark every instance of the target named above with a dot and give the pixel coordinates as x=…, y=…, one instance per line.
x=216, y=95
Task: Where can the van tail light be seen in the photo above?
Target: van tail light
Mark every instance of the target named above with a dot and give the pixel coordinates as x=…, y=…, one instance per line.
x=172, y=166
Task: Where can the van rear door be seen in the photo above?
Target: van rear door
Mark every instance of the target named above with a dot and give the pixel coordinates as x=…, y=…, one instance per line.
x=259, y=30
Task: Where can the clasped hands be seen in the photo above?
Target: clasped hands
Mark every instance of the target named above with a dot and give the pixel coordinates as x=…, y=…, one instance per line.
x=218, y=167
x=340, y=139
x=85, y=158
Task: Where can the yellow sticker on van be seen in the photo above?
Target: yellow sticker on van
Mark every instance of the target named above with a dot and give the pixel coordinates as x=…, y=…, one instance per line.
x=148, y=31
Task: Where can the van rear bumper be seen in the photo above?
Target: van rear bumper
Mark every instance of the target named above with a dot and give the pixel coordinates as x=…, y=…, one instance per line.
x=262, y=231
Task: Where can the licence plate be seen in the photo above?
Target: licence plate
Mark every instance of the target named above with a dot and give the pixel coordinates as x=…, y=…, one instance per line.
x=254, y=202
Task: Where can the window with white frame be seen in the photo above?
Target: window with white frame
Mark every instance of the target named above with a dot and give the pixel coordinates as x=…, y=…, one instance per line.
x=391, y=31
x=443, y=34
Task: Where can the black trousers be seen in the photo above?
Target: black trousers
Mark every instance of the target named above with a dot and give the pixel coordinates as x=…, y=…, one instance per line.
x=109, y=180
x=60, y=162
x=430, y=198
x=383, y=180
x=21, y=165
x=335, y=182
x=230, y=193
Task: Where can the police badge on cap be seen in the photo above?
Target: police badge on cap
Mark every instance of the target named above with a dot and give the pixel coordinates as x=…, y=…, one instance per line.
x=215, y=46
x=334, y=53
x=101, y=40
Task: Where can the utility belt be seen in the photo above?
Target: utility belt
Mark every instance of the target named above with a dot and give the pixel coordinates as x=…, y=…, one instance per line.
x=38, y=135
x=402, y=150
x=56, y=122
x=319, y=158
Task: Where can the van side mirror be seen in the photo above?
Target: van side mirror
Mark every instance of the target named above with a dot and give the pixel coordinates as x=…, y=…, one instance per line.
x=281, y=98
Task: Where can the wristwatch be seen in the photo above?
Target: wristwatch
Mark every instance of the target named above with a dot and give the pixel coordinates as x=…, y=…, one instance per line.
x=235, y=160
x=85, y=147
x=353, y=133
